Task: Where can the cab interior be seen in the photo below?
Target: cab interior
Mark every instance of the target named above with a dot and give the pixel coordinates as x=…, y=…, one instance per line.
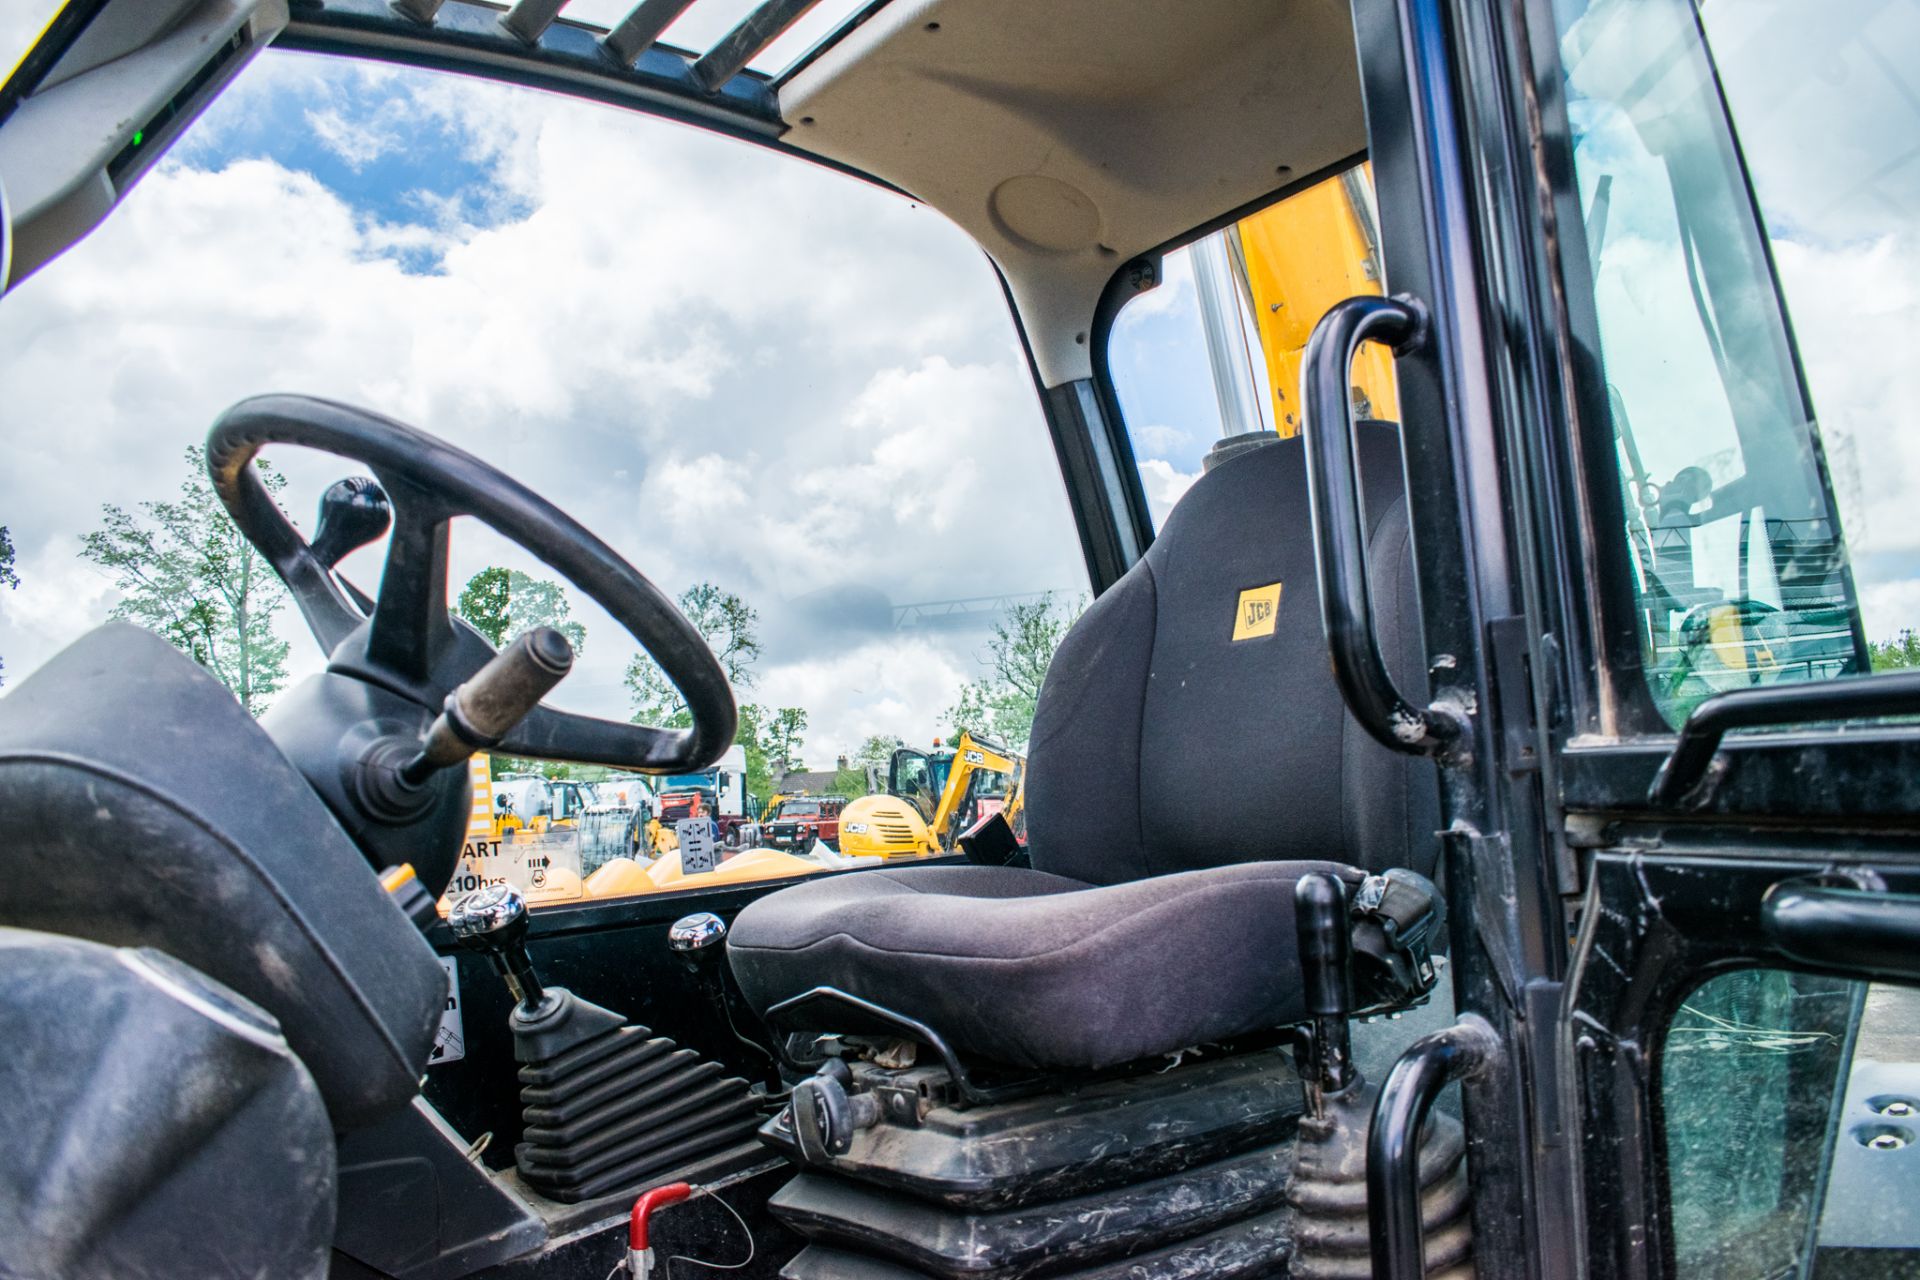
x=880, y=1073
x=1141, y=1041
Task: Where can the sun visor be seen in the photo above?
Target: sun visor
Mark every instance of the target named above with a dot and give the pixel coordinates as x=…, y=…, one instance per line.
x=94, y=105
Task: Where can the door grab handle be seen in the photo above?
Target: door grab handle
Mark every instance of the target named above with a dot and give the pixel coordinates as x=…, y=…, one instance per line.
x=1774, y=705
x=1853, y=930
x=1339, y=532
x=1432, y=1062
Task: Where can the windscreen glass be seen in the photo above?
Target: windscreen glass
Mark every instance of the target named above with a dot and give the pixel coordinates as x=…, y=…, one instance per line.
x=793, y=400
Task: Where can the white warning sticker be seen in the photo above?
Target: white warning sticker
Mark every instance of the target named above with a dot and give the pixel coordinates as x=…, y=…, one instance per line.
x=696, y=845
x=450, y=1040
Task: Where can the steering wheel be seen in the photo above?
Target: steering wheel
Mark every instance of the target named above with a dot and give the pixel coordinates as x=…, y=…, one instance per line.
x=408, y=642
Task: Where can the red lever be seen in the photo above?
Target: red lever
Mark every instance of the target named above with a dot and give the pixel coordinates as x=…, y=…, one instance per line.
x=643, y=1208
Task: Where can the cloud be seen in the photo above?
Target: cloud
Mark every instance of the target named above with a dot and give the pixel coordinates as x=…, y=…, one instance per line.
x=729, y=365
x=352, y=141
x=1156, y=439
x=1164, y=486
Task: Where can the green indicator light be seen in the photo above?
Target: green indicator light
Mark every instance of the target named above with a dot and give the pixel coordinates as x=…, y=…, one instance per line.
x=139, y=136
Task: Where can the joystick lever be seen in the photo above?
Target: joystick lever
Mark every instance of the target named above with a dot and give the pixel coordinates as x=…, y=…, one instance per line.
x=493, y=700
x=1326, y=973
x=700, y=940
x=493, y=921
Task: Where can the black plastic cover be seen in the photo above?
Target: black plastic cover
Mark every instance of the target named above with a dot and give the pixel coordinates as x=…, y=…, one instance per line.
x=1055, y=1146
x=156, y=1123
x=143, y=807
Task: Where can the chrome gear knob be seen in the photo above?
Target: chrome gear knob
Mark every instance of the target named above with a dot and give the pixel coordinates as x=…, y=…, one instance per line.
x=696, y=933
x=493, y=921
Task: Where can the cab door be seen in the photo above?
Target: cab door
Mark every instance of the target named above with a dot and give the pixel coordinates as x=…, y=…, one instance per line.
x=1654, y=265
x=1704, y=444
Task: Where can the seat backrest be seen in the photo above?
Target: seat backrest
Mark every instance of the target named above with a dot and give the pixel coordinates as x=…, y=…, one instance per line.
x=1185, y=725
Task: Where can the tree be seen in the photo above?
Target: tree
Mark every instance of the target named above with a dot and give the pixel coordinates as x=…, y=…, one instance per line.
x=874, y=755
x=1900, y=652
x=878, y=750
x=185, y=571
x=851, y=783
x=1000, y=705
x=731, y=629
x=7, y=574
x=785, y=735
x=750, y=736
x=504, y=604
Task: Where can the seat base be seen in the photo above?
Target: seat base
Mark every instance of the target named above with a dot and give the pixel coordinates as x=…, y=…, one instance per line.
x=1187, y=1163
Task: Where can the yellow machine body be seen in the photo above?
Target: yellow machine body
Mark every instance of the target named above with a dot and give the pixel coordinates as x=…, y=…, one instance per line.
x=1303, y=255
x=884, y=827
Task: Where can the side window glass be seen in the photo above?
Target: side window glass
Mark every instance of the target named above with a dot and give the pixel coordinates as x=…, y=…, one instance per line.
x=1214, y=349
x=1789, y=1104
x=913, y=781
x=1738, y=212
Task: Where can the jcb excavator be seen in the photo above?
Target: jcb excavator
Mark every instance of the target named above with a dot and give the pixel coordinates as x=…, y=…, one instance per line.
x=932, y=797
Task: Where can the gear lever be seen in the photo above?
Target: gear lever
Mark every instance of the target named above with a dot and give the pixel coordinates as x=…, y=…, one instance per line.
x=493, y=921
x=599, y=1095
x=546, y=1020
x=700, y=941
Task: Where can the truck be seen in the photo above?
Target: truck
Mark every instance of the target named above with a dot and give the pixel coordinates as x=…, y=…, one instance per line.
x=799, y=821
x=718, y=792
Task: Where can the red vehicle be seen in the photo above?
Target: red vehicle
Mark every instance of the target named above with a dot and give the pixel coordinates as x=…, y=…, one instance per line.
x=798, y=822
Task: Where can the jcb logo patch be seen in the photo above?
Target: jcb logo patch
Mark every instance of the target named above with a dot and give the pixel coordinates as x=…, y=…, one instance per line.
x=1258, y=613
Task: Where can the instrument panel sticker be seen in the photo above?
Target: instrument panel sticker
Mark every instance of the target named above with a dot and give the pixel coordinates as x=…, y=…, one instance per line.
x=450, y=1038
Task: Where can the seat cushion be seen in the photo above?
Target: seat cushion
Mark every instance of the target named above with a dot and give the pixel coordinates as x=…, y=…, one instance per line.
x=1037, y=970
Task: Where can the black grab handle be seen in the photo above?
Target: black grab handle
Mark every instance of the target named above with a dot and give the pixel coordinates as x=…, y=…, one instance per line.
x=1770, y=707
x=1432, y=1062
x=1849, y=929
x=1339, y=533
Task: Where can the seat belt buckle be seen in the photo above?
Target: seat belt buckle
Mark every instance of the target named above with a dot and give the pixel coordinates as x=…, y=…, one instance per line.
x=1397, y=918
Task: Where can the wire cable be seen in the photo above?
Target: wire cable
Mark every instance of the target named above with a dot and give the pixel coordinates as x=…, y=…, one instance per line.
x=752, y=1248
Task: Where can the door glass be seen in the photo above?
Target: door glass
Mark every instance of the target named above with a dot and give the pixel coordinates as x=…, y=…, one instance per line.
x=1791, y=1108
x=1752, y=217
x=912, y=780
x=1214, y=349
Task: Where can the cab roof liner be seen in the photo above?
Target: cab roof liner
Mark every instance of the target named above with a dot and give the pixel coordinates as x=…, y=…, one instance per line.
x=1070, y=136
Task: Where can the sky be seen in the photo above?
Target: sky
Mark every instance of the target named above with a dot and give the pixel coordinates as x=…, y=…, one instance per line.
x=739, y=368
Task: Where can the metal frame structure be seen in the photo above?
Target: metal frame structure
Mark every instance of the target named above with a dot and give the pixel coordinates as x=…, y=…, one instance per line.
x=533, y=43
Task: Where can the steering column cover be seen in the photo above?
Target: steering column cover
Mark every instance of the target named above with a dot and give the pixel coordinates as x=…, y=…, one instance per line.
x=144, y=807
